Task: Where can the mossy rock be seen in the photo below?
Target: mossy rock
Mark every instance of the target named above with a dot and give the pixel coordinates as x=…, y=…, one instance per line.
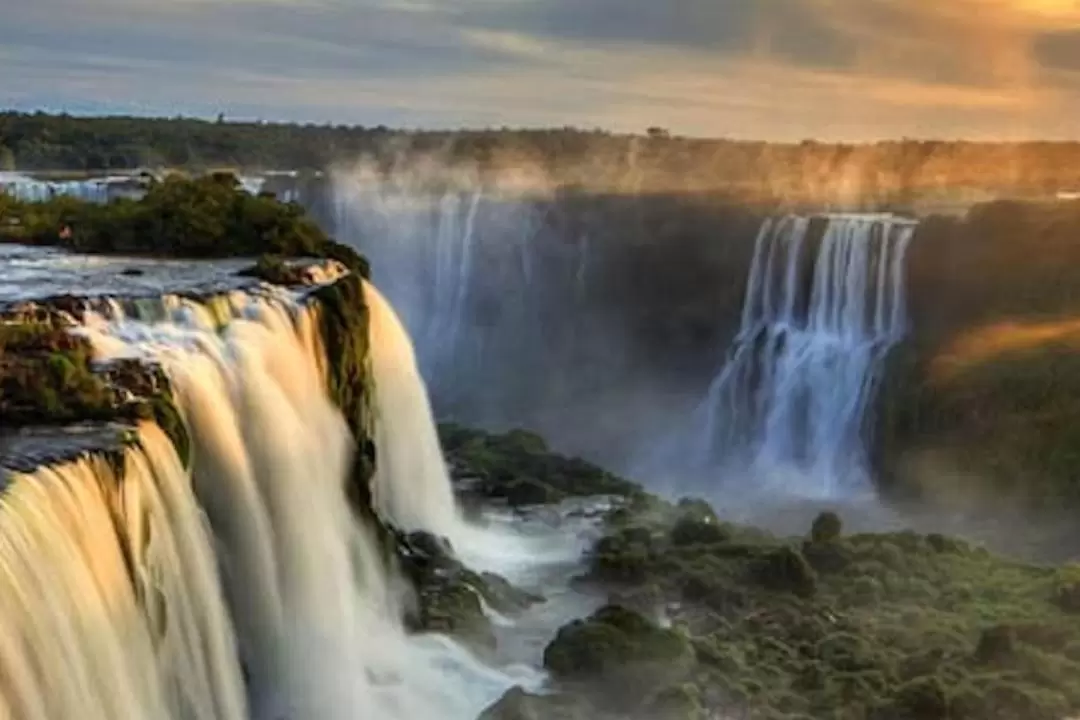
x=786, y=570
x=688, y=531
x=616, y=644
x=827, y=528
x=451, y=606
x=518, y=468
x=517, y=704
x=449, y=596
x=344, y=316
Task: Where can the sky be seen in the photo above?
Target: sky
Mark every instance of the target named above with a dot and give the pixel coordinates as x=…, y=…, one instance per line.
x=767, y=69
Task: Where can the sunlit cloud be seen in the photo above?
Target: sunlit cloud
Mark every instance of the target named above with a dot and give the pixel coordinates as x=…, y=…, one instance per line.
x=789, y=69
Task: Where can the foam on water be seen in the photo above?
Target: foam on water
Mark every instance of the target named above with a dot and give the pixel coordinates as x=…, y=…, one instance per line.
x=317, y=615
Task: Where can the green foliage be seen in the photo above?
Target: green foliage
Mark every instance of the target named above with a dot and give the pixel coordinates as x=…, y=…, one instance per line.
x=826, y=528
x=516, y=704
x=893, y=172
x=619, y=645
x=344, y=317
x=206, y=217
x=46, y=378
x=874, y=626
x=679, y=702
x=518, y=468
x=785, y=569
x=986, y=392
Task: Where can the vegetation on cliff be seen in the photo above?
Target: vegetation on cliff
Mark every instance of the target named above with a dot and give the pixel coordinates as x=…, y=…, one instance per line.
x=206, y=217
x=344, y=317
x=983, y=403
x=709, y=617
x=518, y=468
x=864, y=626
x=884, y=172
x=46, y=378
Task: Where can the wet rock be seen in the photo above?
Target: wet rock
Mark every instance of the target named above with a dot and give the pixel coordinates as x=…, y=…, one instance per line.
x=28, y=448
x=616, y=644
x=450, y=597
x=517, y=704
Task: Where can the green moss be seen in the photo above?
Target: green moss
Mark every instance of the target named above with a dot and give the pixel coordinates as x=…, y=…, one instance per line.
x=679, y=702
x=205, y=217
x=619, y=645
x=518, y=468
x=826, y=529
x=516, y=704
x=894, y=625
x=46, y=378
x=343, y=312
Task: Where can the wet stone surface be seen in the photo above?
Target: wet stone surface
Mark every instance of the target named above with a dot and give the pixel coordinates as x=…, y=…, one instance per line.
x=39, y=273
x=26, y=449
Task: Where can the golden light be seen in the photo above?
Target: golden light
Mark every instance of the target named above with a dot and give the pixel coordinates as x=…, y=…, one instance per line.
x=1065, y=12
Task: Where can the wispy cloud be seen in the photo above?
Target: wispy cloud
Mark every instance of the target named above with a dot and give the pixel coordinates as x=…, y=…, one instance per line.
x=777, y=68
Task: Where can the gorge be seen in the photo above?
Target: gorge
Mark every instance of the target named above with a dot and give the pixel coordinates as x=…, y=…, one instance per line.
x=259, y=520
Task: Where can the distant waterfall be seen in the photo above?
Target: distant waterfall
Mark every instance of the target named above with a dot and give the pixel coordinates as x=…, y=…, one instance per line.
x=825, y=302
x=316, y=614
x=487, y=290
x=29, y=189
x=110, y=607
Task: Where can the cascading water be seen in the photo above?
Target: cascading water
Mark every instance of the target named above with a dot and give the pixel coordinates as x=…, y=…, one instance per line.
x=316, y=615
x=486, y=298
x=411, y=483
x=110, y=607
x=29, y=189
x=821, y=312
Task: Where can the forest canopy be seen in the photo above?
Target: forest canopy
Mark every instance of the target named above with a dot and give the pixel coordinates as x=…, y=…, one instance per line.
x=206, y=217
x=655, y=161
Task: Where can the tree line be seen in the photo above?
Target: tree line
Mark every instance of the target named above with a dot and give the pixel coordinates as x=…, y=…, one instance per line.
x=890, y=171
x=206, y=217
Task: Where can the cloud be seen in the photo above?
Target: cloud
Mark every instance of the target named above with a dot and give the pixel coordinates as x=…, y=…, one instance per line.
x=777, y=68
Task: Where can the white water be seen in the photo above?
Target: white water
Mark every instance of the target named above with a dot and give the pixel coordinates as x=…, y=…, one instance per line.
x=29, y=189
x=792, y=401
x=82, y=634
x=316, y=612
x=411, y=484
x=412, y=488
x=485, y=298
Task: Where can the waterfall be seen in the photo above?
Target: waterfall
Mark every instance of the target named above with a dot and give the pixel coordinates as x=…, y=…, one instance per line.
x=821, y=312
x=110, y=608
x=316, y=612
x=411, y=484
x=485, y=297
x=28, y=189
x=427, y=247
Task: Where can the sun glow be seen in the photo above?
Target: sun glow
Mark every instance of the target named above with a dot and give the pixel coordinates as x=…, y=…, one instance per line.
x=1055, y=13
